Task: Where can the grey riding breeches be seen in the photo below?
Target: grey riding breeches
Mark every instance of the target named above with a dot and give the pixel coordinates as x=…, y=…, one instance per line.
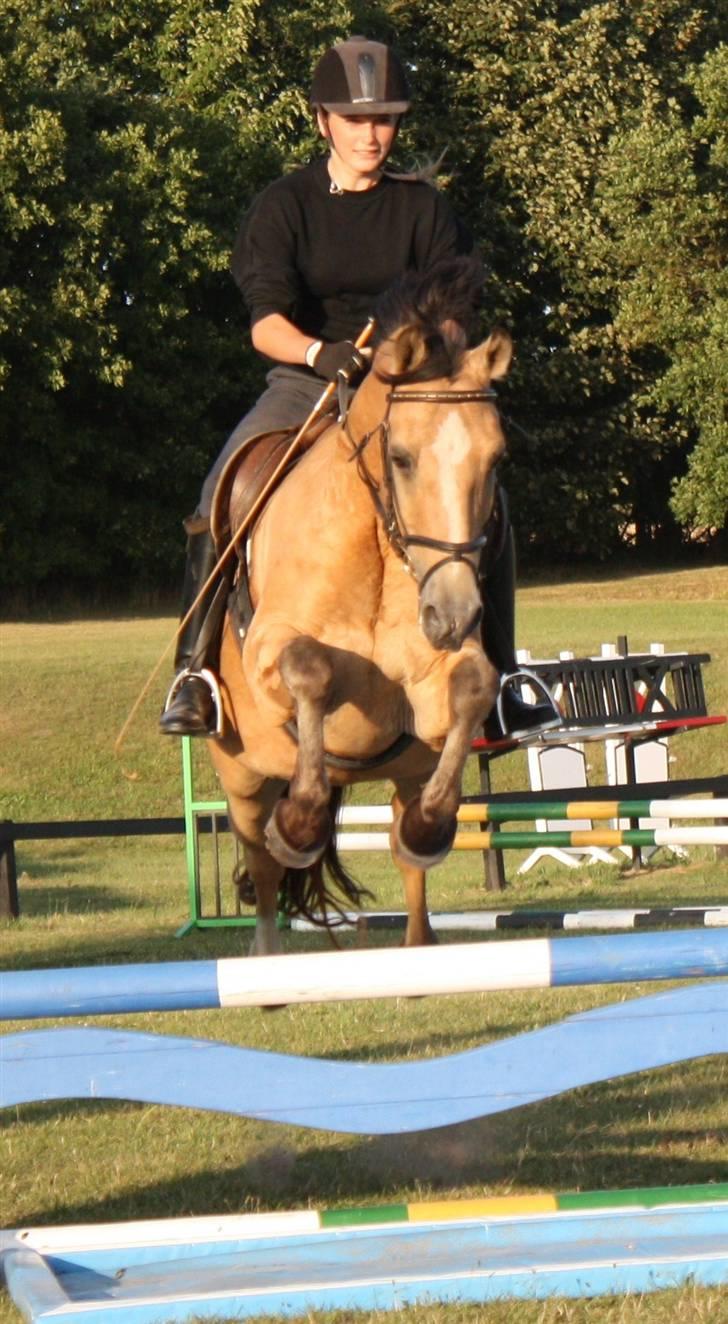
x=287, y=402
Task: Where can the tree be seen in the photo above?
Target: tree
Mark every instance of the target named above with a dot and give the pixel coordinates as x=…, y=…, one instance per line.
x=664, y=196
x=539, y=102
x=585, y=146
x=132, y=137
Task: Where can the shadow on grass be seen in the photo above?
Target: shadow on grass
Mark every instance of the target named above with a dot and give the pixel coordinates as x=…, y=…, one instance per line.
x=69, y=880
x=558, y=1145
x=68, y=899
x=69, y=609
x=620, y=568
x=158, y=941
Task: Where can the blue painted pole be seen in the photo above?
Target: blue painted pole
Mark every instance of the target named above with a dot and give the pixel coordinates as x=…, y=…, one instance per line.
x=105, y=990
x=383, y=973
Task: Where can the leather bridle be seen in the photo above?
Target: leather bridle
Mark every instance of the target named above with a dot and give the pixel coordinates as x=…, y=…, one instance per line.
x=400, y=540
x=398, y=537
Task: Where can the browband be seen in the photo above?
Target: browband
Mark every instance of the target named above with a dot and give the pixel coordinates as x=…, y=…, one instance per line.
x=444, y=397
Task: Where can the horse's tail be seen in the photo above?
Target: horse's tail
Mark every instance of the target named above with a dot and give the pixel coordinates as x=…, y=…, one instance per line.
x=312, y=893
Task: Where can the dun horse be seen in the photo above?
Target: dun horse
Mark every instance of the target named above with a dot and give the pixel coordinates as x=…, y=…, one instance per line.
x=363, y=657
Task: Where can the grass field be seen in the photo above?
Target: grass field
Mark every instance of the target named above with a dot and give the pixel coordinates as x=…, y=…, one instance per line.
x=67, y=687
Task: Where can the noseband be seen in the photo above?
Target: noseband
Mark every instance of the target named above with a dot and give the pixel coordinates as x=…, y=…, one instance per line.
x=399, y=539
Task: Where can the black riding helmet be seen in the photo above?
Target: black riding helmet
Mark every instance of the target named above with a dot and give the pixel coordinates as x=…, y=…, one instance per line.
x=359, y=77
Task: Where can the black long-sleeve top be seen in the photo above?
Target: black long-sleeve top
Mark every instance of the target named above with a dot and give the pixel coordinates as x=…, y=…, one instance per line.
x=322, y=259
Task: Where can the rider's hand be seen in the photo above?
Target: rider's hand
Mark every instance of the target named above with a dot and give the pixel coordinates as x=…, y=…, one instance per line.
x=340, y=357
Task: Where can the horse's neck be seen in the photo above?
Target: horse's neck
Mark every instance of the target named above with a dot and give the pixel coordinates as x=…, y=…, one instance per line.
x=363, y=434
x=325, y=500
x=367, y=411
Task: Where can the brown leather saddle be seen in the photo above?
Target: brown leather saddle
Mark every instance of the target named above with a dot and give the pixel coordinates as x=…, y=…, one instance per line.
x=240, y=486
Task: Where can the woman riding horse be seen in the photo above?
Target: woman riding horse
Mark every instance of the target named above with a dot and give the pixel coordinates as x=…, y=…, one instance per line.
x=316, y=250
x=351, y=650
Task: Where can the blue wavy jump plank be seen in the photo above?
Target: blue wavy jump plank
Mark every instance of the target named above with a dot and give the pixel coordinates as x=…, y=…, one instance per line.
x=367, y=1098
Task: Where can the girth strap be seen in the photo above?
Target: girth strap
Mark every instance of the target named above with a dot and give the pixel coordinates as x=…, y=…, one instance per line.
x=372, y=761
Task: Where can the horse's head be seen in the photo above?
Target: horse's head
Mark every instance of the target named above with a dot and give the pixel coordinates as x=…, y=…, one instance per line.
x=441, y=442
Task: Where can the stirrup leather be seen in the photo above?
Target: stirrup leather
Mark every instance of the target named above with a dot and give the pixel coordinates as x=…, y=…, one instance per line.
x=510, y=679
x=213, y=684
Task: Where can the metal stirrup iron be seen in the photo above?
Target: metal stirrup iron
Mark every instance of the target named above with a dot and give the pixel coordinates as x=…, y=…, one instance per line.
x=510, y=679
x=212, y=683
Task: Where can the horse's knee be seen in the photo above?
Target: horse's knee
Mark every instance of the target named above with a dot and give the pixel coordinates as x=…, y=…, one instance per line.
x=258, y=878
x=473, y=688
x=244, y=886
x=307, y=669
x=301, y=821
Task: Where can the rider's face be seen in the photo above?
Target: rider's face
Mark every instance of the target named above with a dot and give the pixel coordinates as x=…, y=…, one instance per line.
x=360, y=144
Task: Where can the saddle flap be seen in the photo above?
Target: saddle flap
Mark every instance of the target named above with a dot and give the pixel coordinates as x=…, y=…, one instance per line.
x=248, y=471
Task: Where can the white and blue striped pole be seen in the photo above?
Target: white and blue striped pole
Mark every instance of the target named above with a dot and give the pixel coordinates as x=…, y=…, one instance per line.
x=382, y=973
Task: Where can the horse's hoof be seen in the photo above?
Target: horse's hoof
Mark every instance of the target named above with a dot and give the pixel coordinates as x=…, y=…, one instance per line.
x=282, y=848
x=420, y=843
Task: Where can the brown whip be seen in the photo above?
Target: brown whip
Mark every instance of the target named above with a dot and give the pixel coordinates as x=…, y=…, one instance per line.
x=318, y=409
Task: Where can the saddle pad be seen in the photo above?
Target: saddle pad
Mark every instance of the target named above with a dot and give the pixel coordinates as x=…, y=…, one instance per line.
x=247, y=472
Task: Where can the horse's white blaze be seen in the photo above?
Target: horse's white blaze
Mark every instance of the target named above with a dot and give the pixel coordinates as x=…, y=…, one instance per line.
x=451, y=451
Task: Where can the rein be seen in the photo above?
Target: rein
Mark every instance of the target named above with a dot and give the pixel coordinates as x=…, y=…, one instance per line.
x=400, y=540
x=398, y=537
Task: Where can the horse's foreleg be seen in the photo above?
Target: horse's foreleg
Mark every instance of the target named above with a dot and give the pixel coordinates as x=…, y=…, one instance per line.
x=300, y=825
x=426, y=830
x=264, y=875
x=419, y=932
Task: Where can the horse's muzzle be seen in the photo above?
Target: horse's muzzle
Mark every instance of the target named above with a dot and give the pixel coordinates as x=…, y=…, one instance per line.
x=447, y=629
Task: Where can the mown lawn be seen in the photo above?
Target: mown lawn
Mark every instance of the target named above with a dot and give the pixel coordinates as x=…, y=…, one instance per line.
x=67, y=687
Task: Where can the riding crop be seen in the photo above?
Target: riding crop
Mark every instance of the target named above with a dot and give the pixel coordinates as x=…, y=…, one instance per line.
x=318, y=409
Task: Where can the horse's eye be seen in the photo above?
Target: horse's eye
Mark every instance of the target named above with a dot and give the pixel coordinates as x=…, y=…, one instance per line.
x=402, y=461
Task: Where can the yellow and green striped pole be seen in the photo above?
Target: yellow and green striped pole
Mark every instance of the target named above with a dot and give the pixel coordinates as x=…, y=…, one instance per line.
x=507, y=1206
x=511, y=812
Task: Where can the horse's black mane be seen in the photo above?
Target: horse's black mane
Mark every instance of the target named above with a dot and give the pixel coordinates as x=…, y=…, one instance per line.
x=451, y=291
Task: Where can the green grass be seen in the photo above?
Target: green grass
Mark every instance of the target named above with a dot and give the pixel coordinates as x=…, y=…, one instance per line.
x=67, y=687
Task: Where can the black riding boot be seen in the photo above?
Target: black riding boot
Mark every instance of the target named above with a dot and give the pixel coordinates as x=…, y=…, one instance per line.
x=191, y=708
x=512, y=716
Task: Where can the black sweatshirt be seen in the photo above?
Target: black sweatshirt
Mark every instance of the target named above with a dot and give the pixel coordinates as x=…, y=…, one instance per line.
x=321, y=260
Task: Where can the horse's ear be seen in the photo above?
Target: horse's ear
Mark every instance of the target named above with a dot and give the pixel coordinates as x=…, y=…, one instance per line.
x=491, y=360
x=454, y=332
x=402, y=352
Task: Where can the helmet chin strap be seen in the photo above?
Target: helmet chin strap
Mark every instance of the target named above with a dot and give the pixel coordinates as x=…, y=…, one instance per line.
x=324, y=127
x=335, y=187
x=322, y=118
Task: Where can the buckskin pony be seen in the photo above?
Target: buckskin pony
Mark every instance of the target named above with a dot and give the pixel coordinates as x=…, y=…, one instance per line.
x=363, y=657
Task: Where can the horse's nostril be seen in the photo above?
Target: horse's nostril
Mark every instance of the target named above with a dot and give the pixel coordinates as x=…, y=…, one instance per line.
x=448, y=632
x=442, y=631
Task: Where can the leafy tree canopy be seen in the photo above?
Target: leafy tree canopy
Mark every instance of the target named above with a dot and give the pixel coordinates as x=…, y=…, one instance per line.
x=585, y=145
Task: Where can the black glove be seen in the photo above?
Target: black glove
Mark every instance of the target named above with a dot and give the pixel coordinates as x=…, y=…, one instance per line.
x=341, y=357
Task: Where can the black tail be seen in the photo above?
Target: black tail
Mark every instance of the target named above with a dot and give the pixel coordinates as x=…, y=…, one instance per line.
x=325, y=886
